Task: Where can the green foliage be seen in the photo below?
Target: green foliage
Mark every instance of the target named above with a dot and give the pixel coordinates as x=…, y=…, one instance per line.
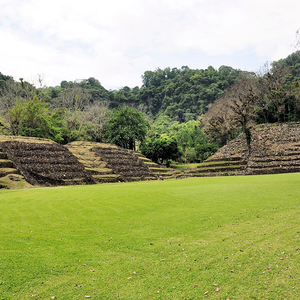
x=161, y=148
x=2, y=126
x=33, y=118
x=126, y=126
x=3, y=81
x=281, y=91
x=205, y=150
x=182, y=94
x=292, y=62
x=59, y=131
x=15, y=116
x=188, y=135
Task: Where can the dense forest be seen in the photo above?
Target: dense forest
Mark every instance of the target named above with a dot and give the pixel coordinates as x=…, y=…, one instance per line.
x=183, y=114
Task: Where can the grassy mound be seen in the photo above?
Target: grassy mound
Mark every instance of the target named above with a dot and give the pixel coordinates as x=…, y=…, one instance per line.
x=217, y=238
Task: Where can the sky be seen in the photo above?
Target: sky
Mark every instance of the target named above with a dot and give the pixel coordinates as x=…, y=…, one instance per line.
x=116, y=41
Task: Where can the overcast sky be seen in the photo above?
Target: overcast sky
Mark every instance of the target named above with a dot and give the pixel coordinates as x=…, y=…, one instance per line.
x=116, y=41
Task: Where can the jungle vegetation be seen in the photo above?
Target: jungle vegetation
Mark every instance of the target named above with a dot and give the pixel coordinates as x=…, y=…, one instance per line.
x=194, y=110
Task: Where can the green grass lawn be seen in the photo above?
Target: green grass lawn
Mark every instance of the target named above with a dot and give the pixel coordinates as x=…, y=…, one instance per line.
x=198, y=238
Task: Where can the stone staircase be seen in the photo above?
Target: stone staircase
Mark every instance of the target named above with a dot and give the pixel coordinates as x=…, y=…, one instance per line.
x=92, y=162
x=219, y=168
x=287, y=161
x=7, y=167
x=125, y=163
x=44, y=164
x=160, y=172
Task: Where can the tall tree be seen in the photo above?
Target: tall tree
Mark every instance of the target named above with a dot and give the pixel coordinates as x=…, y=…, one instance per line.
x=236, y=108
x=125, y=126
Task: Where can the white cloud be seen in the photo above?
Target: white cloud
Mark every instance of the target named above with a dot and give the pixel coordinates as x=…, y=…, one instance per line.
x=117, y=40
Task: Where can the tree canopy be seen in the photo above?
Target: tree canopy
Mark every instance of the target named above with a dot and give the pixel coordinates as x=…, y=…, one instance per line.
x=125, y=127
x=161, y=148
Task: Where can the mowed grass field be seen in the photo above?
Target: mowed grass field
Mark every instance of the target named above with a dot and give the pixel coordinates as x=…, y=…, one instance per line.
x=198, y=238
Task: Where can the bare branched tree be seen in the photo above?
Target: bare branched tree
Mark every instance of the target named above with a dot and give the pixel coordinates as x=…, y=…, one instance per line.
x=236, y=108
x=245, y=97
x=217, y=122
x=95, y=117
x=73, y=98
x=10, y=93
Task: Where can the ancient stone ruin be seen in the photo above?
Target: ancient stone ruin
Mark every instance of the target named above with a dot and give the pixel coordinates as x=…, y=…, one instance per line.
x=275, y=148
x=44, y=163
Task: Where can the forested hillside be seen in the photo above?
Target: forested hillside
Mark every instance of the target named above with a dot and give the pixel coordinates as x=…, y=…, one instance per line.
x=182, y=94
x=168, y=105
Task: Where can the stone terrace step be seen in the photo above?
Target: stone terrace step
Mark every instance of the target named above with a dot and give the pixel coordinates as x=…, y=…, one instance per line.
x=274, y=170
x=5, y=163
x=274, y=163
x=107, y=178
x=8, y=171
x=220, y=169
x=269, y=158
x=3, y=155
x=160, y=170
x=283, y=153
x=221, y=163
x=104, y=171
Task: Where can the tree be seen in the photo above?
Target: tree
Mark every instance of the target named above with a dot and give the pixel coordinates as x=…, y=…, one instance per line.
x=15, y=116
x=12, y=91
x=280, y=93
x=205, y=150
x=161, y=148
x=245, y=96
x=94, y=119
x=2, y=126
x=125, y=126
x=236, y=109
x=33, y=118
x=30, y=118
x=73, y=97
x=217, y=123
x=189, y=137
